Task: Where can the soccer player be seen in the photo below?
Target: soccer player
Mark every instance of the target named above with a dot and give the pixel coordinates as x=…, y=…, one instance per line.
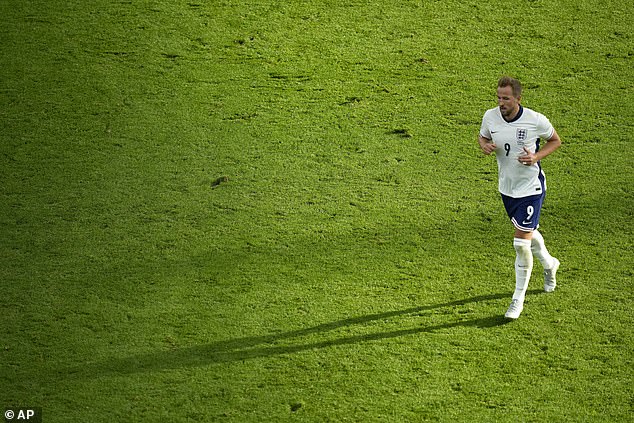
x=514, y=134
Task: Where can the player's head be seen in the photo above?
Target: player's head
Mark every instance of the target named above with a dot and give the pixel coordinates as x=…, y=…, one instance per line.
x=509, y=96
x=516, y=86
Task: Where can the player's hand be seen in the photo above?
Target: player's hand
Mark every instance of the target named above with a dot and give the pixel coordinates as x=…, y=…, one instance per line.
x=488, y=147
x=528, y=158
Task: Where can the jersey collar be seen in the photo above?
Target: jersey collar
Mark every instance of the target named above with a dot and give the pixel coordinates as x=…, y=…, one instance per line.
x=517, y=117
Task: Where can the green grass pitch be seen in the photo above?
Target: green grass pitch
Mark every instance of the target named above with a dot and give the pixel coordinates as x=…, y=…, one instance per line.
x=277, y=211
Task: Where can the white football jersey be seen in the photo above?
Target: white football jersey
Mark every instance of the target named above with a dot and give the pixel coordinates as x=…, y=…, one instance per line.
x=515, y=179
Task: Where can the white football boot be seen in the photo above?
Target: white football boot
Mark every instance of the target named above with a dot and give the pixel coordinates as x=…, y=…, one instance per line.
x=515, y=309
x=550, y=282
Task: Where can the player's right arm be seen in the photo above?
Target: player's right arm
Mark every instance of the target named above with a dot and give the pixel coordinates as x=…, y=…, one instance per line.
x=484, y=137
x=486, y=145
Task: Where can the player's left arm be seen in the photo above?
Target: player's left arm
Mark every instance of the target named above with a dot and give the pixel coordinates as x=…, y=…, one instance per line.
x=553, y=143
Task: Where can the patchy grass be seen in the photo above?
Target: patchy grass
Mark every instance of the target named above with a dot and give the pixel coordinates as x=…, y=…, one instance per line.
x=278, y=212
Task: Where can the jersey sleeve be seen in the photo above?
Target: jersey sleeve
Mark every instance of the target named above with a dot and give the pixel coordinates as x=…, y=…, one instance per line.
x=485, y=131
x=545, y=129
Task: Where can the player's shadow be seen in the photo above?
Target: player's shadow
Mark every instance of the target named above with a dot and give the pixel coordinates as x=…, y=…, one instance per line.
x=291, y=342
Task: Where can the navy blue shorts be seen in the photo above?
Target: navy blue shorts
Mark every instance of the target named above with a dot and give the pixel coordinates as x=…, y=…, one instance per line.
x=524, y=212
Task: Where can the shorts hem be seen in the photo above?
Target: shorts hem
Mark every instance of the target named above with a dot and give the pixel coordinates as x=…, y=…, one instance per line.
x=522, y=228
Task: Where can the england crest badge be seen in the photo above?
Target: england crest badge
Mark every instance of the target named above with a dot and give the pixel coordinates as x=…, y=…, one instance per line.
x=521, y=135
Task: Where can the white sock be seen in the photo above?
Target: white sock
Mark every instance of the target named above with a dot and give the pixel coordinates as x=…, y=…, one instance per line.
x=523, y=267
x=538, y=247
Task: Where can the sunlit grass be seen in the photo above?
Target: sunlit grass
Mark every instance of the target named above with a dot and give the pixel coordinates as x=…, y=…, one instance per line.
x=278, y=212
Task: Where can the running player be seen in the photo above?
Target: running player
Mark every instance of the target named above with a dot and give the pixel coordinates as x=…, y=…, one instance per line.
x=514, y=133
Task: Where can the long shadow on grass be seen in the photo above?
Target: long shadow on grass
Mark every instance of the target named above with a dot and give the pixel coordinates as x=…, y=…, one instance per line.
x=265, y=346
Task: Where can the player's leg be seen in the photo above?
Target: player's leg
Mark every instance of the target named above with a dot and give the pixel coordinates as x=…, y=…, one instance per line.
x=524, y=214
x=550, y=264
x=538, y=247
x=523, y=269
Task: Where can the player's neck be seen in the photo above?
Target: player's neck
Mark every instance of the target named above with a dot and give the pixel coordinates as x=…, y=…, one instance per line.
x=517, y=113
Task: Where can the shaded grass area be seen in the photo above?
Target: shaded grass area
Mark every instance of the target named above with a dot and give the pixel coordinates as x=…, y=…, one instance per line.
x=276, y=212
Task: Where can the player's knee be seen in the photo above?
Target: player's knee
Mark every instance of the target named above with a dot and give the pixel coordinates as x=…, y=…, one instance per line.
x=522, y=246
